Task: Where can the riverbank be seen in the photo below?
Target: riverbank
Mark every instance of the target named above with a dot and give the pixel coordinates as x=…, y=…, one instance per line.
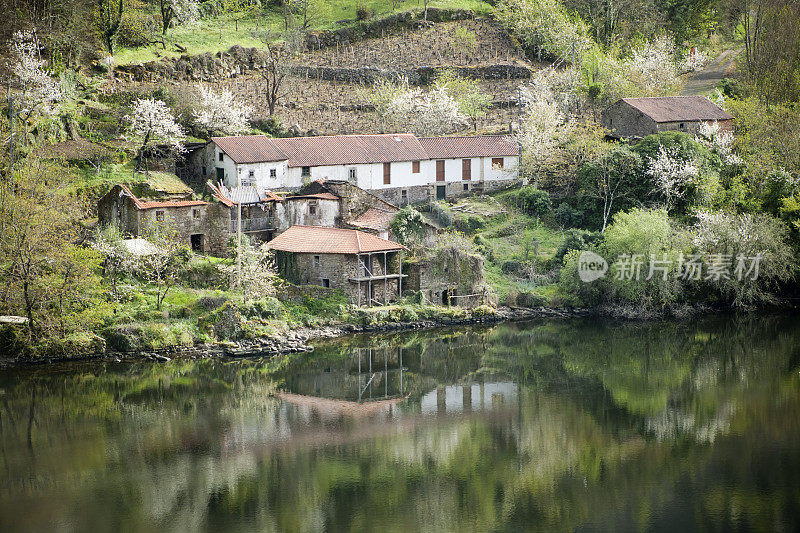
x=295, y=340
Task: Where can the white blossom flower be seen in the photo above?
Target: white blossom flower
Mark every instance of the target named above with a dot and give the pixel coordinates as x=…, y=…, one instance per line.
x=41, y=90
x=151, y=121
x=222, y=112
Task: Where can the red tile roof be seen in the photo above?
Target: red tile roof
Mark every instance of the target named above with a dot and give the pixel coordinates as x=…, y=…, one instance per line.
x=470, y=146
x=373, y=218
x=321, y=240
x=250, y=148
x=351, y=149
x=244, y=194
x=678, y=108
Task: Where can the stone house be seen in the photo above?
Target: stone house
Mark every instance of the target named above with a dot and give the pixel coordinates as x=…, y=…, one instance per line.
x=261, y=210
x=366, y=267
x=449, y=277
x=635, y=118
x=196, y=222
x=400, y=168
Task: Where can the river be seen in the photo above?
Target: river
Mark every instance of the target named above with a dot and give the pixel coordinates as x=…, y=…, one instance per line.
x=547, y=425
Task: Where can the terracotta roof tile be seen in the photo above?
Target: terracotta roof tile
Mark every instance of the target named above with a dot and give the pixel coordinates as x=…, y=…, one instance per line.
x=470, y=146
x=321, y=240
x=141, y=204
x=374, y=218
x=678, y=108
x=351, y=149
x=250, y=148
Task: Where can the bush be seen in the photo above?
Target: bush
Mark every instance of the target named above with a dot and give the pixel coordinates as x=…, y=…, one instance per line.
x=469, y=223
x=535, y=202
x=577, y=239
x=567, y=216
x=363, y=12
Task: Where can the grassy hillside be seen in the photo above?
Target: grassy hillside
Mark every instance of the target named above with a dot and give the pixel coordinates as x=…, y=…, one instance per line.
x=216, y=33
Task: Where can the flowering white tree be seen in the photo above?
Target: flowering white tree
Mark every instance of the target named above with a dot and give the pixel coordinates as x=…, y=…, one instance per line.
x=671, y=173
x=719, y=141
x=652, y=68
x=220, y=111
x=424, y=113
x=41, y=91
x=545, y=123
x=177, y=11
x=150, y=123
x=258, y=274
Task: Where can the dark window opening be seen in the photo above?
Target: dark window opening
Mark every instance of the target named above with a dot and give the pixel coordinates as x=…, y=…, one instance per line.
x=251, y=176
x=197, y=242
x=305, y=172
x=441, y=192
x=195, y=214
x=497, y=162
x=220, y=174
x=404, y=196
x=681, y=125
x=316, y=261
x=353, y=174
x=205, y=170
x=312, y=208
x=221, y=156
x=466, y=186
x=273, y=173
x=160, y=216
x=326, y=282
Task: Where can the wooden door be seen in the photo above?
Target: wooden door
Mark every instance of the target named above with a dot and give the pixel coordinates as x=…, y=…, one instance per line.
x=440, y=170
x=387, y=173
x=466, y=169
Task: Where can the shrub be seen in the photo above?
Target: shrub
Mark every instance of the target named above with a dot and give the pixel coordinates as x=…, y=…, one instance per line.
x=577, y=239
x=408, y=225
x=567, y=216
x=535, y=202
x=470, y=223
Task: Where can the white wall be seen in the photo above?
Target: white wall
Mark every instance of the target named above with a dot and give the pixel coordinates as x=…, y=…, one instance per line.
x=368, y=176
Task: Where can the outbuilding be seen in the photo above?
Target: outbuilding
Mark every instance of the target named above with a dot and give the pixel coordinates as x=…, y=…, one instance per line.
x=636, y=118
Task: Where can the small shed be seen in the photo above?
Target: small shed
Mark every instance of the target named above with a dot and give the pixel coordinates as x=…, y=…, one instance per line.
x=366, y=267
x=636, y=118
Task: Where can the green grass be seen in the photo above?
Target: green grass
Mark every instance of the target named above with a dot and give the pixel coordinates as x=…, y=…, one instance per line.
x=219, y=33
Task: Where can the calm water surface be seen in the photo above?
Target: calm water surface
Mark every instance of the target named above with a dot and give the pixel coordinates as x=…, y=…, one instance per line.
x=553, y=426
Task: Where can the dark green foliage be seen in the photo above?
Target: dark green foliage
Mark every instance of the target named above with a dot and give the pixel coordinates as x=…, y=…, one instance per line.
x=408, y=225
x=567, y=216
x=577, y=239
x=621, y=163
x=511, y=267
x=732, y=88
x=535, y=202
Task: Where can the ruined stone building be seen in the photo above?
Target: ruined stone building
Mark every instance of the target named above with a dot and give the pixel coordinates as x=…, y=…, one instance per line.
x=635, y=118
x=366, y=267
x=400, y=168
x=196, y=222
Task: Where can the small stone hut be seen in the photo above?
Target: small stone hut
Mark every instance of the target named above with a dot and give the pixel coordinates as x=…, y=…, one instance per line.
x=636, y=118
x=449, y=276
x=366, y=267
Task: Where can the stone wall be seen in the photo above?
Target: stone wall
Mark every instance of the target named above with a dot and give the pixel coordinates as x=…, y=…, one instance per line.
x=415, y=76
x=450, y=272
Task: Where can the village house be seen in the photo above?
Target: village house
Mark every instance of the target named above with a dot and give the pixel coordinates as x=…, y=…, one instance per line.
x=636, y=118
x=196, y=222
x=366, y=267
x=400, y=168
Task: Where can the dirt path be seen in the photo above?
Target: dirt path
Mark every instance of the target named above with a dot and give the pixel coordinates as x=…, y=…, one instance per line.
x=704, y=81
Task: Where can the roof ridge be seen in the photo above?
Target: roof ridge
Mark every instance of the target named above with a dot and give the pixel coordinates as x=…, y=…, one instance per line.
x=358, y=241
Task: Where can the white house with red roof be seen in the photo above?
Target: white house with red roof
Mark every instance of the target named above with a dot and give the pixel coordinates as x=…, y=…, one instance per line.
x=400, y=168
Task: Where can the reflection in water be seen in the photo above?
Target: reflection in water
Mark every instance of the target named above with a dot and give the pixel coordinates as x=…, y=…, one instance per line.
x=546, y=425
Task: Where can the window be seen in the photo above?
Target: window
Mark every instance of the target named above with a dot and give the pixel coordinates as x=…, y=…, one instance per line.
x=220, y=174
x=204, y=171
x=404, y=196
x=326, y=283
x=160, y=216
x=352, y=174
x=466, y=186
x=312, y=207
x=497, y=162
x=415, y=167
x=466, y=169
x=222, y=156
x=273, y=173
x=316, y=261
x=305, y=172
x=681, y=125
x=251, y=177
x=387, y=173
x=440, y=170
x=195, y=214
